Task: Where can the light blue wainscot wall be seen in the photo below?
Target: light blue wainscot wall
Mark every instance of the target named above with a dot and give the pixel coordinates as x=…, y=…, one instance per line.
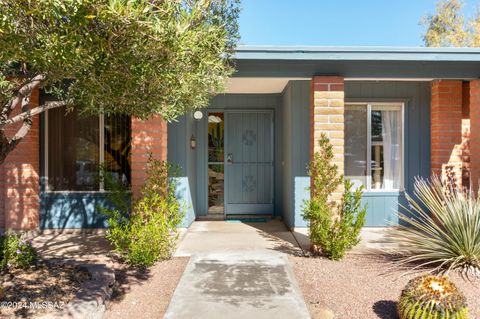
x=64, y=210
x=383, y=206
x=296, y=151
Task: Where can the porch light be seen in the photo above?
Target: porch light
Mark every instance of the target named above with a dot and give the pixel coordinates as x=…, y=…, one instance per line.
x=198, y=115
x=193, y=142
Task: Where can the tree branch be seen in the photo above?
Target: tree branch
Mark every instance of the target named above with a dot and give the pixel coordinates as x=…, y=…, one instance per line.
x=23, y=92
x=30, y=113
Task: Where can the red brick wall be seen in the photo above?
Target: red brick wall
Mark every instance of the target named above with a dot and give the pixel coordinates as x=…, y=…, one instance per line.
x=446, y=130
x=327, y=116
x=475, y=133
x=19, y=179
x=148, y=136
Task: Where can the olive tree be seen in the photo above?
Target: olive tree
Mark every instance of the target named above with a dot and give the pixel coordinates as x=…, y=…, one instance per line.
x=134, y=57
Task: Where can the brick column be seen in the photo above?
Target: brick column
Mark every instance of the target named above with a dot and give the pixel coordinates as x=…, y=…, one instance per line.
x=475, y=134
x=446, y=130
x=327, y=116
x=148, y=137
x=19, y=179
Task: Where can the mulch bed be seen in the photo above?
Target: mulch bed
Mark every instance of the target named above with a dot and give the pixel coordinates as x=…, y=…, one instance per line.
x=362, y=286
x=51, y=287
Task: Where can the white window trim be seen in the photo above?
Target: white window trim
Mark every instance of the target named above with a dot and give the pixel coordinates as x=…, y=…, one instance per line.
x=381, y=106
x=101, y=155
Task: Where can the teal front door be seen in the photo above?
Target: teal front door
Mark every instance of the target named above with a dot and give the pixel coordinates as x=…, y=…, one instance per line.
x=249, y=162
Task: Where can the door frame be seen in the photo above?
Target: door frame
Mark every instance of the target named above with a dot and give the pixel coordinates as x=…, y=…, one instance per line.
x=237, y=110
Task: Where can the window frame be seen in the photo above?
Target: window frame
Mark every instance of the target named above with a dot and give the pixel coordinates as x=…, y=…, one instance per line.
x=379, y=106
x=101, y=156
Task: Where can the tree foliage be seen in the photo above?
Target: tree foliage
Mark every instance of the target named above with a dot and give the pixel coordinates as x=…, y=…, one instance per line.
x=132, y=57
x=448, y=27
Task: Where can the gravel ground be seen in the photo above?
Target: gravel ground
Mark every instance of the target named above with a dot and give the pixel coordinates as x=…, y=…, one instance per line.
x=361, y=287
x=145, y=293
x=56, y=284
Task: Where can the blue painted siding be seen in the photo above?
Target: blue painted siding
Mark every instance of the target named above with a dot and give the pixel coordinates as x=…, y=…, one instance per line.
x=180, y=154
x=296, y=151
x=184, y=194
x=64, y=210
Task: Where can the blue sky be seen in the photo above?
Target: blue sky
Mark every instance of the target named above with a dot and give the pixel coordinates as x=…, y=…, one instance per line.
x=336, y=22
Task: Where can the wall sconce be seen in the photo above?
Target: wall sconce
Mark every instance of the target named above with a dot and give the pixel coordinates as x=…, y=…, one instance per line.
x=193, y=142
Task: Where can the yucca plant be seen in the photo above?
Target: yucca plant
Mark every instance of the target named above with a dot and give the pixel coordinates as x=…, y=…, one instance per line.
x=432, y=297
x=441, y=228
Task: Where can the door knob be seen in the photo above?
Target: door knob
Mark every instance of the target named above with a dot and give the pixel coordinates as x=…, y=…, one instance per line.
x=230, y=158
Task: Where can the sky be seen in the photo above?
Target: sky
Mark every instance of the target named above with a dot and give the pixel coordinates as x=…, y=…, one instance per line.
x=336, y=22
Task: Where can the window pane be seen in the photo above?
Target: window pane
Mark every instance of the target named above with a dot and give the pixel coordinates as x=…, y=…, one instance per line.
x=386, y=149
x=215, y=137
x=117, y=147
x=356, y=144
x=215, y=189
x=73, y=153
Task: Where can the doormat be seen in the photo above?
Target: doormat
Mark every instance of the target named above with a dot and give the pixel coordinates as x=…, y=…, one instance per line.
x=248, y=220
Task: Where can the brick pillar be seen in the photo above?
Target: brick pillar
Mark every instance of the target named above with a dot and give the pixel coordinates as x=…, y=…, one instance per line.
x=475, y=134
x=446, y=130
x=19, y=180
x=327, y=116
x=148, y=137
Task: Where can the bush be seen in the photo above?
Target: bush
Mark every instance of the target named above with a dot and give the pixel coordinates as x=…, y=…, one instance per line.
x=16, y=252
x=432, y=297
x=440, y=228
x=334, y=228
x=146, y=231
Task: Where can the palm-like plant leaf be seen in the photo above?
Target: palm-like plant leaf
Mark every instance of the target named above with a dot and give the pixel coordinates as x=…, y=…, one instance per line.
x=441, y=228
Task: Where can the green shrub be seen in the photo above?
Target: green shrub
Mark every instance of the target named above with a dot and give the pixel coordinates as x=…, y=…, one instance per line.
x=146, y=231
x=16, y=252
x=440, y=228
x=334, y=227
x=432, y=297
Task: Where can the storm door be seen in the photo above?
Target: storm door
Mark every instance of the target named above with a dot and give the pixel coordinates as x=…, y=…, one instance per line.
x=248, y=158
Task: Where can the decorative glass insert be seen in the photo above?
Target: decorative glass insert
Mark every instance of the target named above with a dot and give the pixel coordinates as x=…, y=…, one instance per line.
x=374, y=134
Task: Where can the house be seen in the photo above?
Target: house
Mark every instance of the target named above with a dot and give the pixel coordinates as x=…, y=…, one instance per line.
x=392, y=114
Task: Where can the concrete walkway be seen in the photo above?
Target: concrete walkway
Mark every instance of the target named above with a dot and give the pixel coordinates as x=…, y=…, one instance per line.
x=238, y=270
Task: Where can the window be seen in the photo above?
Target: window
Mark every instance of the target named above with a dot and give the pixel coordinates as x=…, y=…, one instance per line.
x=374, y=134
x=216, y=175
x=73, y=152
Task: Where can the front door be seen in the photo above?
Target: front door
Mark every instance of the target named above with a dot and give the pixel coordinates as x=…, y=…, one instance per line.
x=249, y=162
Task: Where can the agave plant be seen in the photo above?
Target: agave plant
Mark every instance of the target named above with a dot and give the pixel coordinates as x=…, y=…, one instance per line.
x=441, y=228
x=432, y=297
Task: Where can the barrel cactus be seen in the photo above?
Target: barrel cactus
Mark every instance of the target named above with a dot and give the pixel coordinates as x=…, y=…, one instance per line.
x=432, y=297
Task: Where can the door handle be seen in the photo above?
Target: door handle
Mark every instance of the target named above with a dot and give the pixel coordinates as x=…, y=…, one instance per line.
x=230, y=158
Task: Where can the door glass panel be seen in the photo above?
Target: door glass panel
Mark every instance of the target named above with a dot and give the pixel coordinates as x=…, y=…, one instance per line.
x=216, y=188
x=356, y=144
x=216, y=185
